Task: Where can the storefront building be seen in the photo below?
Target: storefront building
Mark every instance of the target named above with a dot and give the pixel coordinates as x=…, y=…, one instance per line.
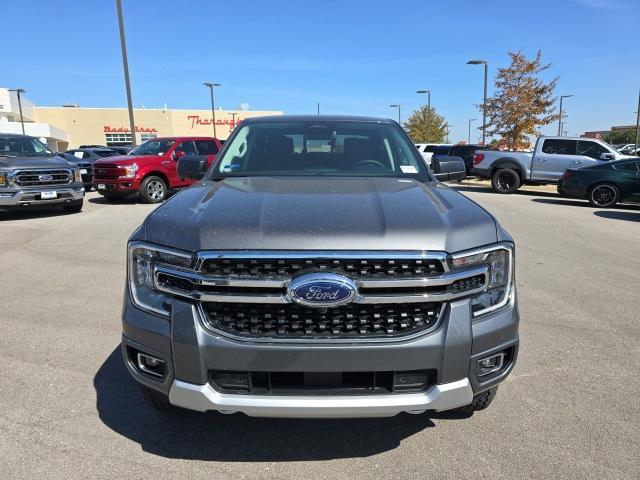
x=68, y=127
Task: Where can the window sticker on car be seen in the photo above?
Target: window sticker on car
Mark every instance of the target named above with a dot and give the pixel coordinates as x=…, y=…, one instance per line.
x=408, y=169
x=78, y=154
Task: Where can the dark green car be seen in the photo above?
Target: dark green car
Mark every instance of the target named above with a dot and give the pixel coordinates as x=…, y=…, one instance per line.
x=604, y=185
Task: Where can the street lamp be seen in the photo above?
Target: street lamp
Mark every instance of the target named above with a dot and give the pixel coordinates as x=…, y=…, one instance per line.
x=398, y=107
x=19, y=91
x=211, y=86
x=637, y=125
x=428, y=92
x=484, y=101
x=560, y=117
x=233, y=119
x=125, y=65
x=469, y=134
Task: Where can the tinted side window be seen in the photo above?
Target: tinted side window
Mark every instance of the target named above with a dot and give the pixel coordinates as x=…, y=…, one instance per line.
x=206, y=147
x=430, y=148
x=591, y=149
x=559, y=147
x=187, y=147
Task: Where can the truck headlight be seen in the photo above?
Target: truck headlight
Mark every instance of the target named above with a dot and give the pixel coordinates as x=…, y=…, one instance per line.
x=77, y=177
x=4, y=178
x=499, y=260
x=130, y=171
x=142, y=259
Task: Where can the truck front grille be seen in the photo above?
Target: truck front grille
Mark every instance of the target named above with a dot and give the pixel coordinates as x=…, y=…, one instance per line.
x=42, y=178
x=363, y=267
x=107, y=171
x=295, y=321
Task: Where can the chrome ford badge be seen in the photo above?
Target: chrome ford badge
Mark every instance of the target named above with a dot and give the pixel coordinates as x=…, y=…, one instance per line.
x=45, y=178
x=322, y=290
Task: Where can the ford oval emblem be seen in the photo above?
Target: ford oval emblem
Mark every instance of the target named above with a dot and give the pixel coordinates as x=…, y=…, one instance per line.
x=322, y=290
x=45, y=178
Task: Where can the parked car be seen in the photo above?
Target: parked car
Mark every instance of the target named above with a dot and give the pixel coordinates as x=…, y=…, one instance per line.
x=31, y=175
x=604, y=185
x=426, y=150
x=150, y=169
x=319, y=270
x=121, y=150
x=85, y=158
x=626, y=148
x=546, y=164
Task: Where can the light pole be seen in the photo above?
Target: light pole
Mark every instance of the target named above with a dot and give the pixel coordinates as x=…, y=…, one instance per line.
x=18, y=92
x=211, y=86
x=233, y=119
x=428, y=92
x=448, y=130
x=484, y=101
x=560, y=118
x=398, y=107
x=125, y=64
x=469, y=134
x=318, y=108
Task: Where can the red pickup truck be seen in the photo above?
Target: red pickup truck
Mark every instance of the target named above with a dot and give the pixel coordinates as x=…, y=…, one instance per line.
x=150, y=170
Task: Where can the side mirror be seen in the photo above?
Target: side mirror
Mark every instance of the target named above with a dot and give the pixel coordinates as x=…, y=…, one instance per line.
x=607, y=156
x=192, y=167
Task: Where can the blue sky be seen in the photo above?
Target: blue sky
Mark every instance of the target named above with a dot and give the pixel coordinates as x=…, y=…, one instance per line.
x=355, y=57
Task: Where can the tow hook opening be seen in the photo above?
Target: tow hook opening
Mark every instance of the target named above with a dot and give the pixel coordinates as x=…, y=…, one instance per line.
x=147, y=364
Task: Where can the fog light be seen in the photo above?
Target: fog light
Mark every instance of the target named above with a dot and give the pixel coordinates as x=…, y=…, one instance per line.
x=490, y=364
x=150, y=365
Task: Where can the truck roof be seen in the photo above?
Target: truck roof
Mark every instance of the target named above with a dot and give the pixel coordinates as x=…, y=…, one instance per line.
x=312, y=118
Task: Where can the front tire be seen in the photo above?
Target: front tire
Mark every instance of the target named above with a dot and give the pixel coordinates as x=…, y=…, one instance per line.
x=604, y=195
x=505, y=180
x=479, y=402
x=153, y=189
x=75, y=207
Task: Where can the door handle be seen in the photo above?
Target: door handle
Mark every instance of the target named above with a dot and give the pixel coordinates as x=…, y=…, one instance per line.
x=542, y=159
x=576, y=161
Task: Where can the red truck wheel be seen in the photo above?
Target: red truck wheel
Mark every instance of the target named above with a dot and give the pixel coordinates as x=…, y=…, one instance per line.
x=153, y=189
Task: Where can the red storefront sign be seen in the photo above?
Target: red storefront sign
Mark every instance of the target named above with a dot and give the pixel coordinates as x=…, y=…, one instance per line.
x=110, y=129
x=198, y=120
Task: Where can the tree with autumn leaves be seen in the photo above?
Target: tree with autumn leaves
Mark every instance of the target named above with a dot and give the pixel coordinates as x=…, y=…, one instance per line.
x=522, y=102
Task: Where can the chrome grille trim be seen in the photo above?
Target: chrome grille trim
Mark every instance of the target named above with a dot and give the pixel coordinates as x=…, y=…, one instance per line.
x=29, y=178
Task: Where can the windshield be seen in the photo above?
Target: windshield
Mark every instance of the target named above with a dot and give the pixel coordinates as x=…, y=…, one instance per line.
x=338, y=148
x=153, y=147
x=23, y=147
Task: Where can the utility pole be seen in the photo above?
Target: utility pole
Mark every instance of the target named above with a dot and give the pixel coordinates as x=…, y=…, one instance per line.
x=484, y=101
x=211, y=86
x=18, y=92
x=560, y=118
x=318, y=108
x=428, y=92
x=125, y=64
x=469, y=134
x=398, y=107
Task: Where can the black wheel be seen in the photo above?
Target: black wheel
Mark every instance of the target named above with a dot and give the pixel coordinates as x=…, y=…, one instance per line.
x=153, y=189
x=159, y=401
x=505, y=180
x=75, y=207
x=479, y=402
x=604, y=195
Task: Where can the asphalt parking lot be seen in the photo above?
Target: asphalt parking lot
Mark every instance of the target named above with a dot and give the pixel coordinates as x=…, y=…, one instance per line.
x=571, y=408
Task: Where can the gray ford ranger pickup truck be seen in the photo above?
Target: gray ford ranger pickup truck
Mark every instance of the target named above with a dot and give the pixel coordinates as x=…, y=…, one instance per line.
x=318, y=269
x=32, y=176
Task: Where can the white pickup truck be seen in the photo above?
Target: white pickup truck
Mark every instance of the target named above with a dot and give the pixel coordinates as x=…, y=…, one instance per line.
x=546, y=164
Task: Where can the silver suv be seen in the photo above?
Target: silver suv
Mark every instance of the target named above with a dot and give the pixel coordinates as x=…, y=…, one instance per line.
x=319, y=270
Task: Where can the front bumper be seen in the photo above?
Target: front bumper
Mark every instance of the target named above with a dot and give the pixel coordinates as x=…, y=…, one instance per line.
x=190, y=351
x=24, y=198
x=122, y=186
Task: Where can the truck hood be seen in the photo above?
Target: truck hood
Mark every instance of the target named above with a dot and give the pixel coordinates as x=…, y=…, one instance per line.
x=320, y=213
x=35, y=162
x=123, y=160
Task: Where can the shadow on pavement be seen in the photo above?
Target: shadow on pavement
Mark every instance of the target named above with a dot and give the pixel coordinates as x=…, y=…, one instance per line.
x=619, y=215
x=32, y=212
x=238, y=438
x=562, y=201
x=100, y=200
x=484, y=189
